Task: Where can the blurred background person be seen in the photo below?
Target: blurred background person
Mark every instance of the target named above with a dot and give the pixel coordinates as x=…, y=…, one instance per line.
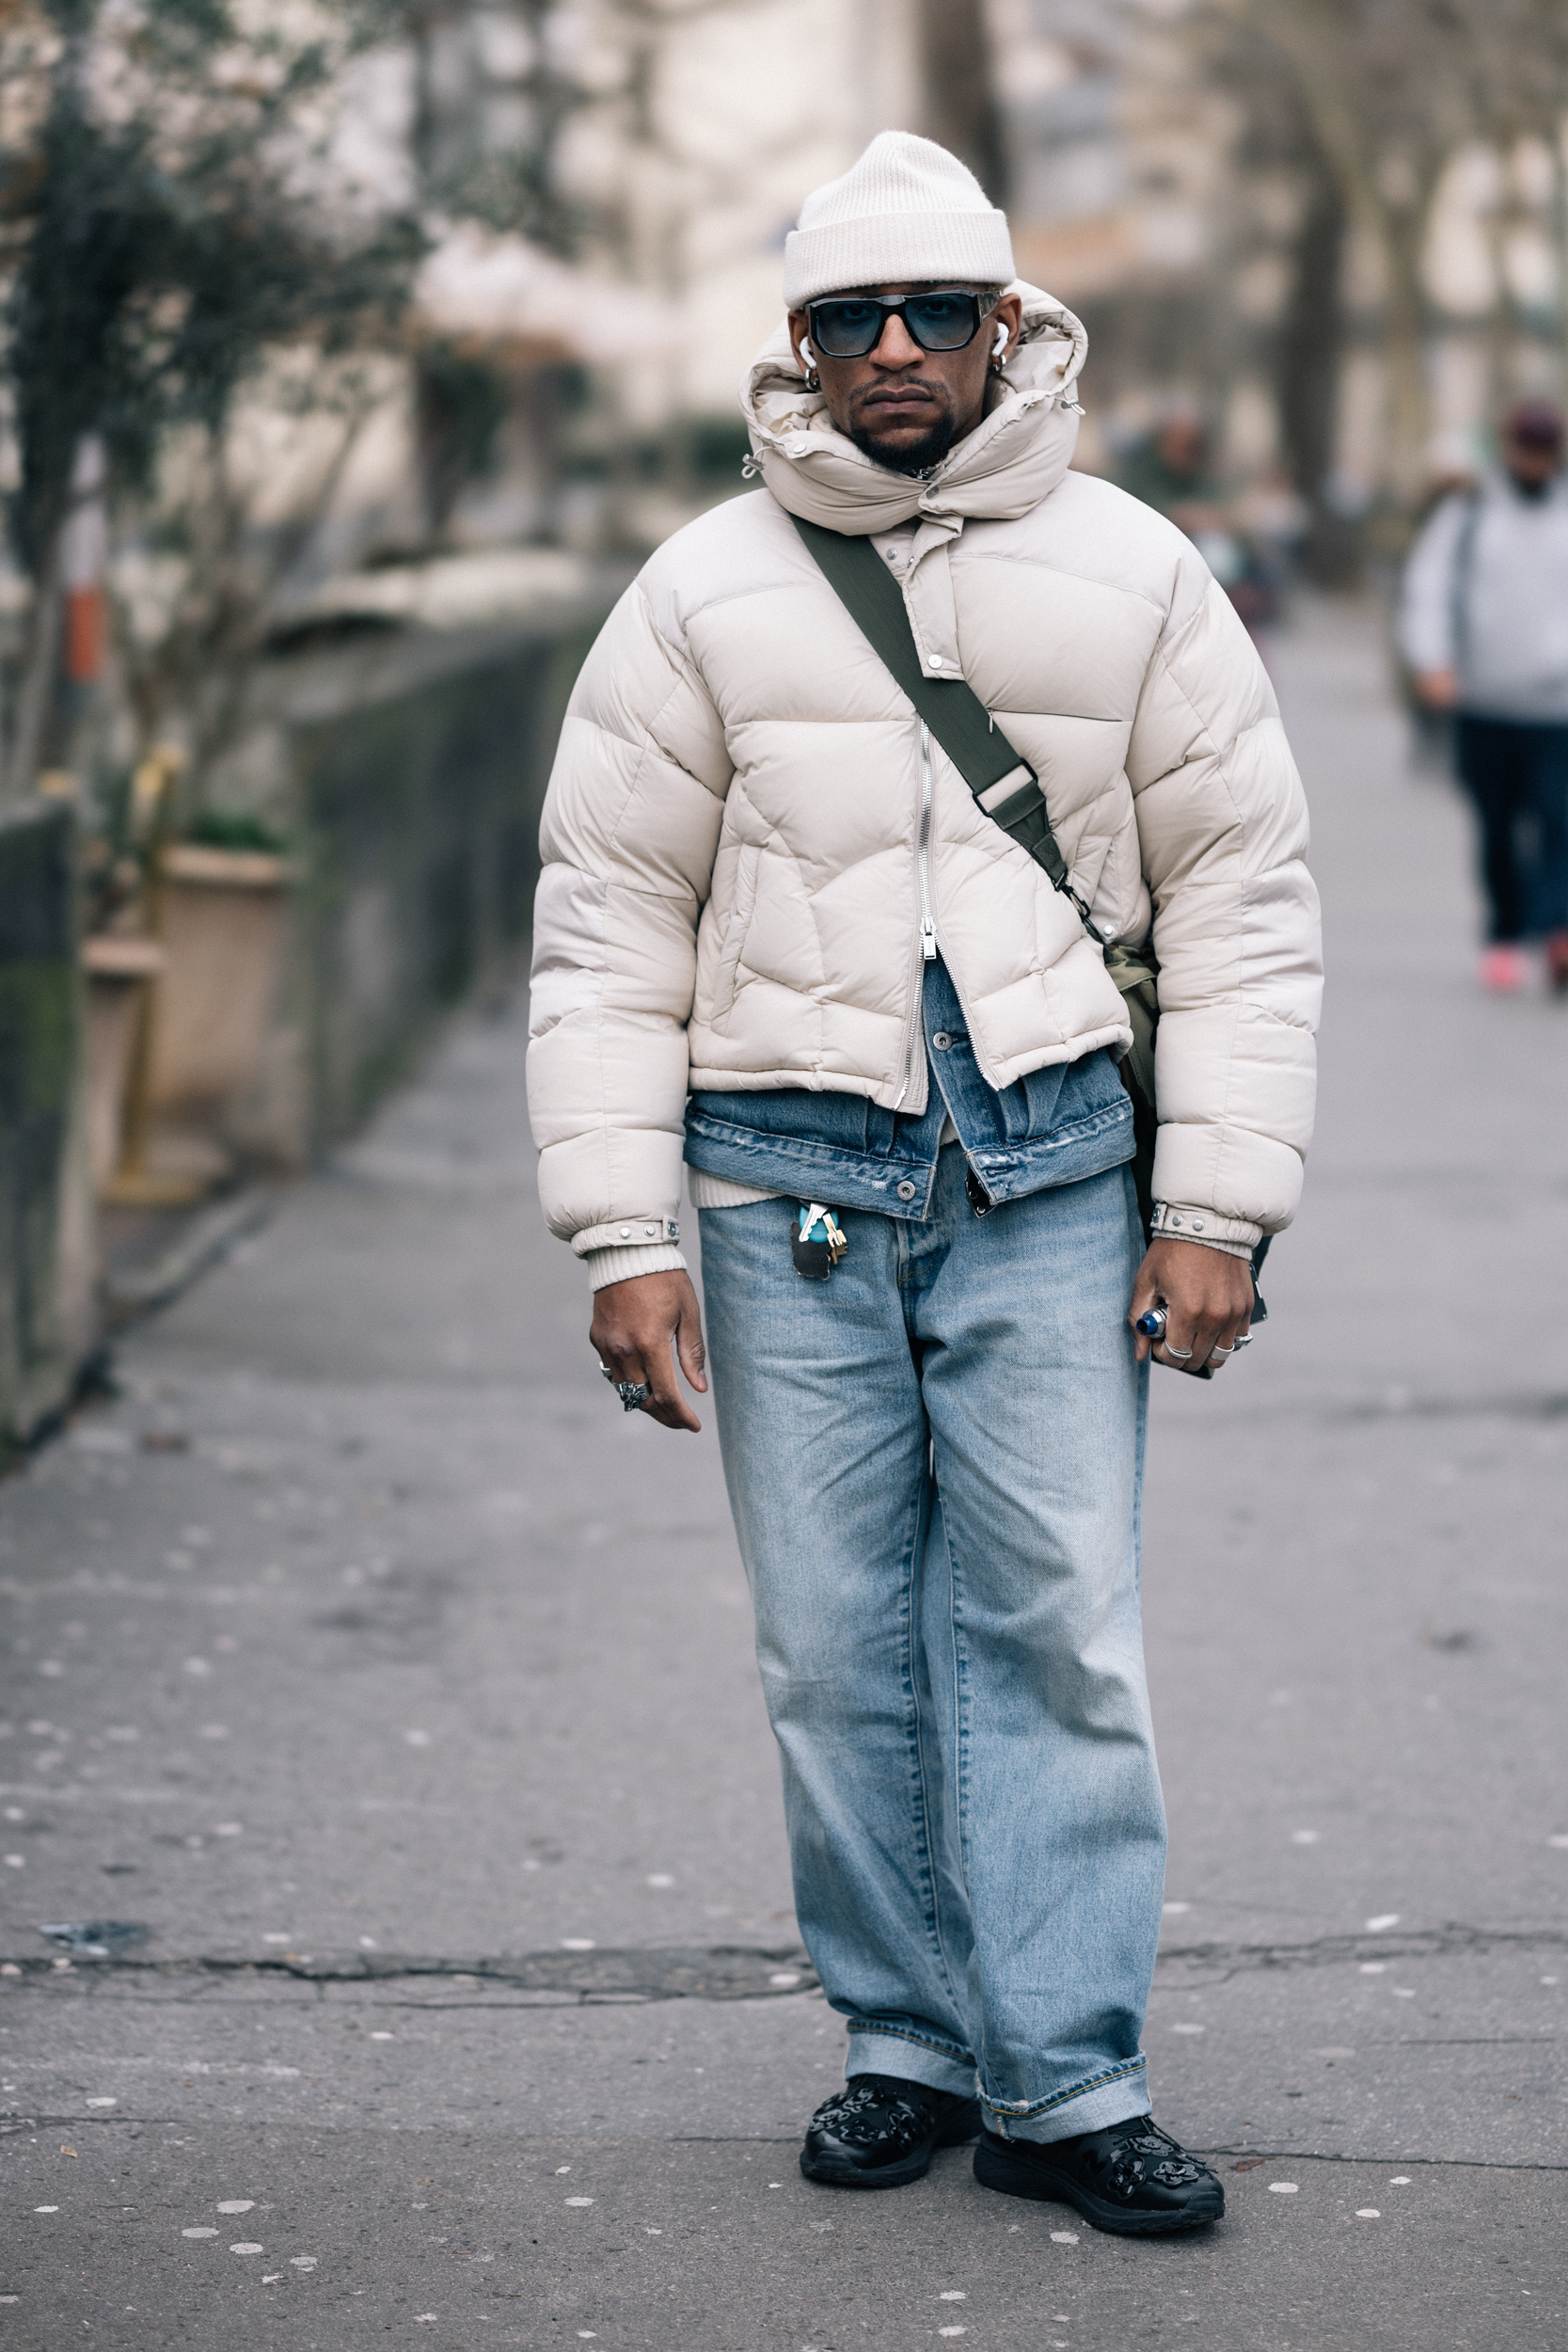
x=1484, y=624
x=1172, y=469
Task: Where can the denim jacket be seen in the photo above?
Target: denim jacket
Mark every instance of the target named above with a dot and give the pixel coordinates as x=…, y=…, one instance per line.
x=1055, y=1126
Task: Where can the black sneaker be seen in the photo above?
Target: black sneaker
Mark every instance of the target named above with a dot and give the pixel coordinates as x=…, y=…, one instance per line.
x=1133, y=2179
x=879, y=2132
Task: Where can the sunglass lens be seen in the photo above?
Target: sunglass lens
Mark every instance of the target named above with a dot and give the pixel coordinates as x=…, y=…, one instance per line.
x=846, y=331
x=942, y=322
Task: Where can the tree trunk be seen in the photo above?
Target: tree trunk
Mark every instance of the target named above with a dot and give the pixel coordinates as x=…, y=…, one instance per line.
x=35, y=695
x=1409, y=408
x=1307, y=363
x=961, y=112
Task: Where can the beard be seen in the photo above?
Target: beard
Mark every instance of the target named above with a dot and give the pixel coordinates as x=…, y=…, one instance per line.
x=916, y=456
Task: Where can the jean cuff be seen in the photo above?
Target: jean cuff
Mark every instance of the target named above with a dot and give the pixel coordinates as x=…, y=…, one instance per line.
x=1093, y=2110
x=911, y=2062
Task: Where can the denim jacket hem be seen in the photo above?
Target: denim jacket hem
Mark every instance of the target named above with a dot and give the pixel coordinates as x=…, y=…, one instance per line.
x=849, y=1179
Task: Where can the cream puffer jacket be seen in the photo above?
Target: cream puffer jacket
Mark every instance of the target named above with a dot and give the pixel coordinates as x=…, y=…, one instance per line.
x=746, y=824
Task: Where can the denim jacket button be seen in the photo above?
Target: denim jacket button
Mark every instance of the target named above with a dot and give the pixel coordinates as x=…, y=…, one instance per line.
x=906, y=1190
x=942, y=1040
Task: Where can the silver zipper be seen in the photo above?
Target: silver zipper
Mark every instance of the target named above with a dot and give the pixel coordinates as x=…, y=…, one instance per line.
x=927, y=924
x=915, y=1055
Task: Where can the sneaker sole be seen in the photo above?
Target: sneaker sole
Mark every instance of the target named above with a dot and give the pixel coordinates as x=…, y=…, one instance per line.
x=1020, y=2176
x=913, y=2166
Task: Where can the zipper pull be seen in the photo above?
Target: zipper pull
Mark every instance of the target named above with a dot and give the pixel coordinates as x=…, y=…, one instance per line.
x=929, y=940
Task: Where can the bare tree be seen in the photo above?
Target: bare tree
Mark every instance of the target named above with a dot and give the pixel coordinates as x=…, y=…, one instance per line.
x=165, y=230
x=1393, y=89
x=961, y=111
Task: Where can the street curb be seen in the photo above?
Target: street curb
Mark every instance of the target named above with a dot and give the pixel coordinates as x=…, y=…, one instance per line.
x=133, y=1291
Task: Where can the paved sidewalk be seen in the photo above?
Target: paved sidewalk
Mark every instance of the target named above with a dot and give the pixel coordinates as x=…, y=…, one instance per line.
x=397, y=1695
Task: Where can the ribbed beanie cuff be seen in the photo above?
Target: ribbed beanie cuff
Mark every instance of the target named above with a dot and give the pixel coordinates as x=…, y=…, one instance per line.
x=907, y=212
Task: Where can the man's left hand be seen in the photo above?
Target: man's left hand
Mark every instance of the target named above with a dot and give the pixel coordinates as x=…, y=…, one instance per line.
x=1207, y=1300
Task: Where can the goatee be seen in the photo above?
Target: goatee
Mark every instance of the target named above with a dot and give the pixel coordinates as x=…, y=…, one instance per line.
x=917, y=457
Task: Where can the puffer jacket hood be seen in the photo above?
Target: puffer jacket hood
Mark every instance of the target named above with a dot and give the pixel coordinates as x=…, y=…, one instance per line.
x=1014, y=457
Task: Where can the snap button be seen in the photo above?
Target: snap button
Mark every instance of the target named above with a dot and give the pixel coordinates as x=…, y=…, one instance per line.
x=942, y=1040
x=652, y=1232
x=1197, y=1225
x=1175, y=1223
x=906, y=1190
x=936, y=661
x=626, y=1232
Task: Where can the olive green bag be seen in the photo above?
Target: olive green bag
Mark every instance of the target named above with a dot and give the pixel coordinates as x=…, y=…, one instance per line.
x=1008, y=790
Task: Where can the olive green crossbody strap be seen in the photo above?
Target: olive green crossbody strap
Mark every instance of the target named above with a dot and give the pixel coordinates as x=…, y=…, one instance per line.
x=1004, y=785
x=1007, y=788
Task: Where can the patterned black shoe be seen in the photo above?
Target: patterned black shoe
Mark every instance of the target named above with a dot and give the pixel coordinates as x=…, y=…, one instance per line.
x=879, y=2132
x=1133, y=2179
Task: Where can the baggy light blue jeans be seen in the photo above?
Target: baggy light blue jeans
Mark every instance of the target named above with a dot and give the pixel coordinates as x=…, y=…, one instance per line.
x=935, y=1462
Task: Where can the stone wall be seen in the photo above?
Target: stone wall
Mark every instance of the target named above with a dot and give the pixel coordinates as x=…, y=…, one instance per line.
x=409, y=772
x=47, y=1216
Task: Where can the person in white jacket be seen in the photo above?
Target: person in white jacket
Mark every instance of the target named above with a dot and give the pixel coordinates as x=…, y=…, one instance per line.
x=1483, y=625
x=779, y=938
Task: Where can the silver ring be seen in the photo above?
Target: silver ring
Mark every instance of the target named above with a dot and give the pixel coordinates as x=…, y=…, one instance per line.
x=1222, y=1351
x=1179, y=1355
x=1244, y=1340
x=631, y=1393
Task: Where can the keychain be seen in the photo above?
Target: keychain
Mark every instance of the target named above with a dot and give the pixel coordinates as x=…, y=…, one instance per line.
x=815, y=1257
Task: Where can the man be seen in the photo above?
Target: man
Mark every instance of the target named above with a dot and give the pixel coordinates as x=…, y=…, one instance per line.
x=768, y=889
x=1169, y=469
x=1484, y=628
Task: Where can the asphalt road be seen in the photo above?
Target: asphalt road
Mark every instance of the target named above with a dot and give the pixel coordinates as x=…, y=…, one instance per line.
x=395, y=1696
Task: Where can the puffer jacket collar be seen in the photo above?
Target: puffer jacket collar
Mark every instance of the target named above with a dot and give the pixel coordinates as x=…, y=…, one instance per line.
x=1018, y=452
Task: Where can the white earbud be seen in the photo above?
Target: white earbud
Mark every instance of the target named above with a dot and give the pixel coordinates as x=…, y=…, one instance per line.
x=806, y=352
x=1000, y=344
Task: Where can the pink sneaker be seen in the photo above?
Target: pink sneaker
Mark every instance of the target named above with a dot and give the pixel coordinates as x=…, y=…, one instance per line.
x=1502, y=970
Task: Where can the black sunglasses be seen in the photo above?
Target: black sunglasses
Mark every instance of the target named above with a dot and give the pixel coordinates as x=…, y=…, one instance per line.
x=846, y=327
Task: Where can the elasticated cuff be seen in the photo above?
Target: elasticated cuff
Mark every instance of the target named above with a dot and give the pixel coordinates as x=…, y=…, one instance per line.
x=1226, y=1248
x=636, y=1230
x=623, y=1264
x=1173, y=1220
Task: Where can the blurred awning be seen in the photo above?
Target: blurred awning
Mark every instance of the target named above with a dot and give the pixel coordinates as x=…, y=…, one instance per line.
x=497, y=294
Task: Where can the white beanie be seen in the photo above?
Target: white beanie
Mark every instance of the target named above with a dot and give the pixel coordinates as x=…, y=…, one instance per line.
x=907, y=212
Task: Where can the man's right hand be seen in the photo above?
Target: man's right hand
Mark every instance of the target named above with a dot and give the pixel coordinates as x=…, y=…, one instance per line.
x=641, y=1329
x=1437, y=689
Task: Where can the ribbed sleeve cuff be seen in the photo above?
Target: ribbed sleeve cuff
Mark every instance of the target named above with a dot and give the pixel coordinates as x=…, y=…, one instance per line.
x=1226, y=1248
x=626, y=1261
x=717, y=1192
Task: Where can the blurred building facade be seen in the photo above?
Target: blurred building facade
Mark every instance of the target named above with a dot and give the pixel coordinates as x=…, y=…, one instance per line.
x=1339, y=229
x=1231, y=194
